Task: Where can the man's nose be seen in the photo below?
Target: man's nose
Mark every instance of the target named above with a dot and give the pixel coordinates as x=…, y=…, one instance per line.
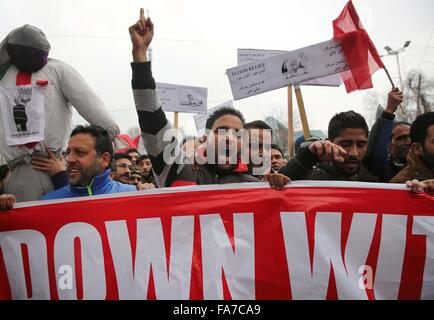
x=70, y=159
x=353, y=150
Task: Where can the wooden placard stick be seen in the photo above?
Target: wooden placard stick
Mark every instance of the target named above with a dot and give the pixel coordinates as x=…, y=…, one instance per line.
x=290, y=124
x=175, y=120
x=393, y=86
x=302, y=111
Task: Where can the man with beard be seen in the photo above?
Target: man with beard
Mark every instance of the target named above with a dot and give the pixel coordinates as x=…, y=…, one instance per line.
x=88, y=158
x=338, y=158
x=399, y=147
x=144, y=166
x=421, y=156
x=122, y=168
x=220, y=154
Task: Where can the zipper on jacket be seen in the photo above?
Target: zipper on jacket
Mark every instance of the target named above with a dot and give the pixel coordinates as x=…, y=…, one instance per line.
x=89, y=188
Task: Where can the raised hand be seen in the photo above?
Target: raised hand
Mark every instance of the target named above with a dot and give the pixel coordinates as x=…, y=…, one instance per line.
x=141, y=34
x=394, y=98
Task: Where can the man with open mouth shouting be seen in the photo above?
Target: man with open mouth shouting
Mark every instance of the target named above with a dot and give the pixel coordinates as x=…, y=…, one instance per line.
x=217, y=161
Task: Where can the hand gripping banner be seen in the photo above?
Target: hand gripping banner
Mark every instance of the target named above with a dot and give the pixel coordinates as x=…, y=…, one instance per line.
x=314, y=240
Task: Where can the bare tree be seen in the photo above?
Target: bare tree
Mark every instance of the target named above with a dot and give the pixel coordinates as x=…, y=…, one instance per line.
x=374, y=104
x=418, y=99
x=420, y=91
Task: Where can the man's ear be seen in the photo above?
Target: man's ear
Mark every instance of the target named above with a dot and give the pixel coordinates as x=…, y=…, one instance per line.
x=417, y=149
x=105, y=160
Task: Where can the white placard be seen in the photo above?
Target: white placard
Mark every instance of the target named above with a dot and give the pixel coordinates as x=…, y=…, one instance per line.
x=23, y=114
x=294, y=67
x=176, y=98
x=200, y=119
x=252, y=55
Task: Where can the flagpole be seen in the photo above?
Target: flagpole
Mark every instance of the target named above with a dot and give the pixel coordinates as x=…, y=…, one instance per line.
x=290, y=124
x=302, y=111
x=393, y=86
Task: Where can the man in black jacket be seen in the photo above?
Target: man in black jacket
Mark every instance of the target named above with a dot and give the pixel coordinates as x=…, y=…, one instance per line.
x=338, y=158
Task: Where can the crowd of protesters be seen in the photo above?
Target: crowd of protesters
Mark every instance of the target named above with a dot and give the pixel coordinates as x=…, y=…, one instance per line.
x=389, y=152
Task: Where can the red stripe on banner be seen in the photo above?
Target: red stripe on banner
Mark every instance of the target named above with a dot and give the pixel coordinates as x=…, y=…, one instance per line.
x=414, y=253
x=78, y=267
x=196, y=292
x=272, y=279
x=112, y=286
x=26, y=267
x=151, y=287
x=332, y=292
x=166, y=223
x=372, y=259
x=228, y=223
x=5, y=289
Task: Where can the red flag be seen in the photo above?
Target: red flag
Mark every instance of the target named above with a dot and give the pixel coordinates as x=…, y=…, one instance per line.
x=362, y=56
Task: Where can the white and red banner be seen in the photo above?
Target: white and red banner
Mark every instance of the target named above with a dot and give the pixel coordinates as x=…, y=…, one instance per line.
x=314, y=240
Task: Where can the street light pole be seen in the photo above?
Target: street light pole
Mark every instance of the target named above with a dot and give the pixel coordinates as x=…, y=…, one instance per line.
x=399, y=70
x=396, y=53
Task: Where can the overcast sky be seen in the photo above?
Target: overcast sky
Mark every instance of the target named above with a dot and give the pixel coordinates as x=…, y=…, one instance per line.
x=196, y=41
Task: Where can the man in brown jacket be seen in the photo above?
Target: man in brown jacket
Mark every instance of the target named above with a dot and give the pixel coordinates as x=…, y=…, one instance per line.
x=421, y=156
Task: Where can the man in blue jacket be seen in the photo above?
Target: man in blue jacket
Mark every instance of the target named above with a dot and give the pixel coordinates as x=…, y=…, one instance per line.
x=89, y=155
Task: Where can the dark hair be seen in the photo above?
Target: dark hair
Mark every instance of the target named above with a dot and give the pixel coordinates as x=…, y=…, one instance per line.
x=420, y=126
x=143, y=157
x=400, y=123
x=276, y=147
x=130, y=150
x=118, y=156
x=103, y=142
x=346, y=120
x=223, y=111
x=397, y=124
x=258, y=124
